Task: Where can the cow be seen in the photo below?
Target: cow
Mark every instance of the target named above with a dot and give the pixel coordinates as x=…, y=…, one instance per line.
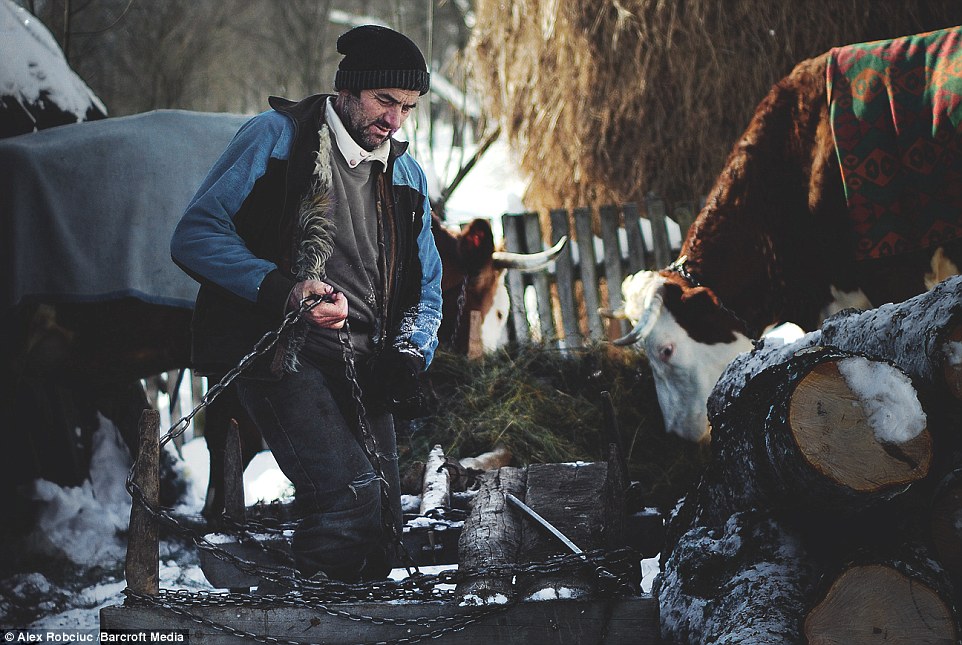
x=91, y=300
x=473, y=275
x=785, y=233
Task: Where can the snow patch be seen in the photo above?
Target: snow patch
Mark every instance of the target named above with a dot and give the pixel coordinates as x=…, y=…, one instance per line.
x=472, y=600
x=953, y=353
x=34, y=67
x=887, y=396
x=560, y=593
x=81, y=523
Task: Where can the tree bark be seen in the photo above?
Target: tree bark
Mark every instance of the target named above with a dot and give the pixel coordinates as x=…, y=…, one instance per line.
x=746, y=582
x=436, y=491
x=921, y=335
x=491, y=536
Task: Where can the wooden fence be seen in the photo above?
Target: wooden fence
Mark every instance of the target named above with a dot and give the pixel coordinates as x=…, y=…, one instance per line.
x=560, y=305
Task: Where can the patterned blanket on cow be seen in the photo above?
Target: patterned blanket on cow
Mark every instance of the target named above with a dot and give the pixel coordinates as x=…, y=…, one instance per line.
x=896, y=112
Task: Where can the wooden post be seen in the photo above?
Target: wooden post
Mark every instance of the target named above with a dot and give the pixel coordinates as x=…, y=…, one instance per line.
x=613, y=273
x=542, y=282
x=589, y=275
x=570, y=496
x=436, y=492
x=234, y=505
x=513, y=242
x=638, y=257
x=491, y=536
x=475, y=346
x=659, y=235
x=565, y=273
x=142, y=567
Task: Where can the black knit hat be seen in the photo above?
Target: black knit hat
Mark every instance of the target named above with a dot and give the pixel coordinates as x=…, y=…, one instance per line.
x=376, y=57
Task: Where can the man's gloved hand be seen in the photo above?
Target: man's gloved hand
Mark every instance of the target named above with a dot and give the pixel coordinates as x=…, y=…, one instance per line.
x=400, y=376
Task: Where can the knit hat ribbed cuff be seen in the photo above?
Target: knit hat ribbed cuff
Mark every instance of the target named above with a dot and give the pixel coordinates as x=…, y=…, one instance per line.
x=405, y=79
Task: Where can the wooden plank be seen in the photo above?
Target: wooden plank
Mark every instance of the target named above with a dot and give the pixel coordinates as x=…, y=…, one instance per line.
x=512, y=227
x=684, y=214
x=655, y=207
x=475, y=346
x=491, y=535
x=618, y=621
x=613, y=275
x=235, y=506
x=637, y=255
x=142, y=566
x=589, y=274
x=571, y=497
x=542, y=279
x=564, y=269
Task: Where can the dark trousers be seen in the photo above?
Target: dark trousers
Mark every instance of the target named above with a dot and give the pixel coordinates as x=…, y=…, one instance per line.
x=309, y=420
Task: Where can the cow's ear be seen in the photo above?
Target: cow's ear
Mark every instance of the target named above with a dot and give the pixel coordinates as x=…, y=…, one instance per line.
x=477, y=244
x=702, y=316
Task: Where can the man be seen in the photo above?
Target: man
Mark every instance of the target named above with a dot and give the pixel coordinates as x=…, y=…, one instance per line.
x=317, y=198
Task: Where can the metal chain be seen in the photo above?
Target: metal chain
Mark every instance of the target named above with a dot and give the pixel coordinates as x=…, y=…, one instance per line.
x=417, y=586
x=261, y=347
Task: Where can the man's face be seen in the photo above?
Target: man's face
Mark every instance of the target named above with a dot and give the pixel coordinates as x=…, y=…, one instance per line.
x=376, y=114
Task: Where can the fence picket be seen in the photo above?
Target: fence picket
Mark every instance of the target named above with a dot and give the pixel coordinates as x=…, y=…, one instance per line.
x=589, y=275
x=608, y=218
x=564, y=270
x=511, y=226
x=655, y=207
x=542, y=283
x=622, y=253
x=637, y=255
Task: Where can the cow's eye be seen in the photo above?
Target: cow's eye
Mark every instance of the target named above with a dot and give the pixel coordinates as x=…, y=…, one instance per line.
x=665, y=352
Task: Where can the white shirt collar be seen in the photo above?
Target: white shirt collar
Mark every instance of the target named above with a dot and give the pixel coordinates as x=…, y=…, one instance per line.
x=352, y=152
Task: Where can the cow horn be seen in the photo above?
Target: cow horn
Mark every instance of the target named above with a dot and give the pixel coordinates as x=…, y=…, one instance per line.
x=616, y=314
x=644, y=324
x=527, y=261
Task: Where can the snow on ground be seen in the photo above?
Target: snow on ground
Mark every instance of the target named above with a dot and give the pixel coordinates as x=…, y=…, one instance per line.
x=78, y=545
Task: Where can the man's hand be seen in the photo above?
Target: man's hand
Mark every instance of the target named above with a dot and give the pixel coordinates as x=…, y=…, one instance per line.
x=325, y=314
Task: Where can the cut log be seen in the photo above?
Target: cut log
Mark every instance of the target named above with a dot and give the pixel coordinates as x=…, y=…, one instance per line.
x=570, y=497
x=920, y=335
x=908, y=600
x=747, y=582
x=491, y=536
x=945, y=526
x=436, y=491
x=821, y=430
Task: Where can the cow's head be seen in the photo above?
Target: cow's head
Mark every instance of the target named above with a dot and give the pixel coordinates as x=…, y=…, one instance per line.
x=688, y=338
x=473, y=280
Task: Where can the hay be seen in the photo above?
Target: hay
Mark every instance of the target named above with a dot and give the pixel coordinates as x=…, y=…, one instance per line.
x=548, y=409
x=605, y=100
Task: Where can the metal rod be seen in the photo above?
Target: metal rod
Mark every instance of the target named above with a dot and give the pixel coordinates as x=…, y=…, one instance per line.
x=530, y=512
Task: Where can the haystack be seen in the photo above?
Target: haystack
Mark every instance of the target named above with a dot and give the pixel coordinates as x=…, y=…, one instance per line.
x=606, y=100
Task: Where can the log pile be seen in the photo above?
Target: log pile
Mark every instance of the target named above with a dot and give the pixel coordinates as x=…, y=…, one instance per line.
x=830, y=510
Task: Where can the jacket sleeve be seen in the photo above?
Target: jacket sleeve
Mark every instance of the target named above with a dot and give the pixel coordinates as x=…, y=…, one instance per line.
x=205, y=243
x=419, y=327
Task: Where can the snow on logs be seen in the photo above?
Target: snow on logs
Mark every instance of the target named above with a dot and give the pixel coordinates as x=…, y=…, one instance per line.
x=829, y=511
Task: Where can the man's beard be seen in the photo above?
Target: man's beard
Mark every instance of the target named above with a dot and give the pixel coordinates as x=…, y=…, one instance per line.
x=359, y=131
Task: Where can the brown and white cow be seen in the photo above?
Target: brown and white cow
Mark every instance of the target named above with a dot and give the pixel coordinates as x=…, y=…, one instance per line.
x=473, y=280
x=773, y=243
